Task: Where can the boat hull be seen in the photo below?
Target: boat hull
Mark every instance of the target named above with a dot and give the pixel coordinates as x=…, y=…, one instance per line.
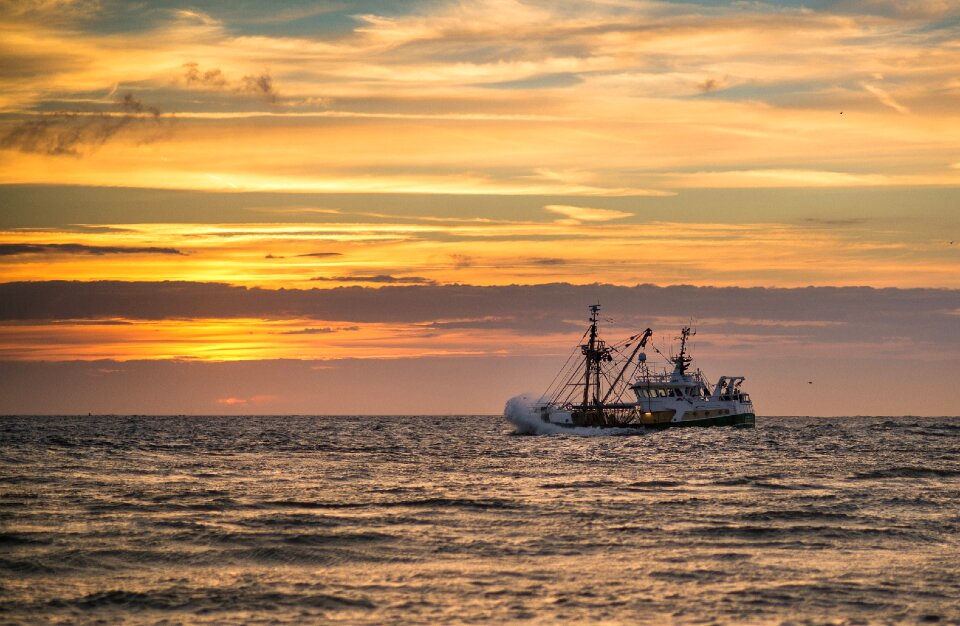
x=739, y=420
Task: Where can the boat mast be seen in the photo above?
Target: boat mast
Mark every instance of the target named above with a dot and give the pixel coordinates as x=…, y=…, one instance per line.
x=589, y=354
x=595, y=352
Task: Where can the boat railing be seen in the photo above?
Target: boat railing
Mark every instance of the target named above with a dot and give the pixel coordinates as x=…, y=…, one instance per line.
x=737, y=397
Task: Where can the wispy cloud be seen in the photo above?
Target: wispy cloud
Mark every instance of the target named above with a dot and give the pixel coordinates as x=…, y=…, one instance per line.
x=71, y=133
x=586, y=214
x=885, y=98
x=260, y=84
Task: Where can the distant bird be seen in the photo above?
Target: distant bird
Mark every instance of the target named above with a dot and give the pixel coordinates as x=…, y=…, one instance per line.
x=809, y=382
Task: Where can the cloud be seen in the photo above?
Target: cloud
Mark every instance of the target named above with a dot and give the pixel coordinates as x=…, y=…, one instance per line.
x=85, y=229
x=461, y=261
x=586, y=214
x=50, y=11
x=377, y=278
x=310, y=331
x=234, y=401
x=260, y=85
x=210, y=78
x=905, y=9
x=839, y=221
x=878, y=313
x=70, y=133
x=107, y=322
x=631, y=115
x=318, y=330
x=320, y=254
x=708, y=85
x=131, y=104
x=884, y=98
x=15, y=249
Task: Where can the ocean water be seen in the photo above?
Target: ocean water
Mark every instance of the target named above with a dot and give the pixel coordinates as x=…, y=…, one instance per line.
x=456, y=520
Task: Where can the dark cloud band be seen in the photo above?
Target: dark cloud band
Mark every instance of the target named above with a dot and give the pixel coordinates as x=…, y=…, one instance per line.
x=875, y=315
x=16, y=249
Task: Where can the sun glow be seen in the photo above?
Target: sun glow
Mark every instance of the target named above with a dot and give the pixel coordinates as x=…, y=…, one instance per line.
x=242, y=339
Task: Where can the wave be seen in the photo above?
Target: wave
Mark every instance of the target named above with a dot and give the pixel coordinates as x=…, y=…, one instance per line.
x=438, y=502
x=790, y=514
x=907, y=472
x=206, y=600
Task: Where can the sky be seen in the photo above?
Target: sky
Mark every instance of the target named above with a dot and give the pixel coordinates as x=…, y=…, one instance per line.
x=406, y=207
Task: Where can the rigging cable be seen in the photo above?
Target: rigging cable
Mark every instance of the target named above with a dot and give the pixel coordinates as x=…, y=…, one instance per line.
x=549, y=393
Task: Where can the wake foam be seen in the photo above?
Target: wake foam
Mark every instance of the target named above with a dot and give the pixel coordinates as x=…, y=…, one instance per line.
x=521, y=412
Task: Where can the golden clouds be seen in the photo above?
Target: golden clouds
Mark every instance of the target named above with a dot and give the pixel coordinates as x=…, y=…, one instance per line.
x=572, y=105
x=584, y=246
x=503, y=97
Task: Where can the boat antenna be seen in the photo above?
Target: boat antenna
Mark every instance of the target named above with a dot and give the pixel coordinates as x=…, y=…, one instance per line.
x=682, y=360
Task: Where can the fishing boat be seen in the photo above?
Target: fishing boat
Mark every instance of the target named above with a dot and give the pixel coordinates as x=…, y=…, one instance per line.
x=614, y=386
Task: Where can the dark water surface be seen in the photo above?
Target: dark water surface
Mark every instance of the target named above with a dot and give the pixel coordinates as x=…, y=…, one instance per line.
x=426, y=520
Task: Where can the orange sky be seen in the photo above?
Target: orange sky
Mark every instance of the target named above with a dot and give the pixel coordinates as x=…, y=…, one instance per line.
x=423, y=145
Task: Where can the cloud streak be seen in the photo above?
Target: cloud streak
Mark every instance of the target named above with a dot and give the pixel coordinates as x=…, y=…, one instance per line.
x=386, y=279
x=577, y=214
x=18, y=249
x=885, y=98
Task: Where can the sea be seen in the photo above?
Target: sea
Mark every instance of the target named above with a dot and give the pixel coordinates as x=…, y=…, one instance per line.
x=460, y=520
